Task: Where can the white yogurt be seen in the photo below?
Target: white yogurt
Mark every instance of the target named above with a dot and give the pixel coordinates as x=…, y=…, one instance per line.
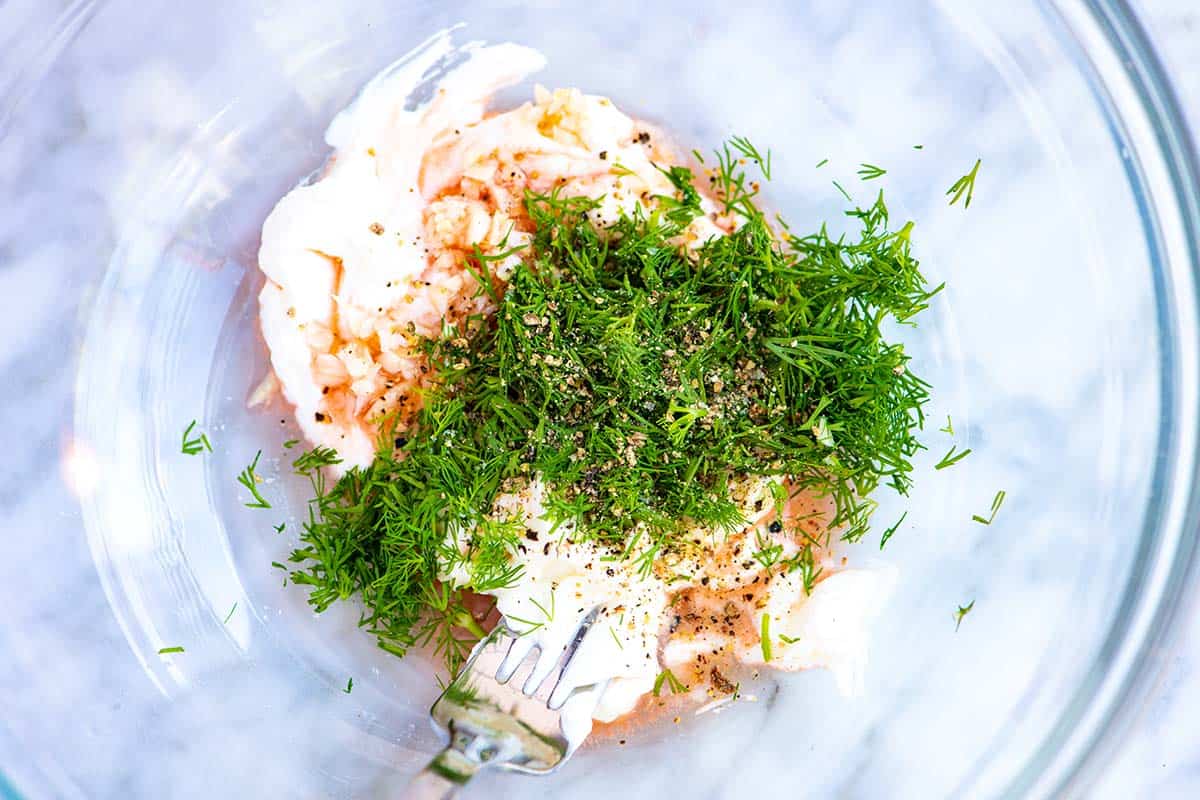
x=365, y=260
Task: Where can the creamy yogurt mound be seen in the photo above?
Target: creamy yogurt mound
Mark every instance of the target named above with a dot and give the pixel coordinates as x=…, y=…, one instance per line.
x=367, y=260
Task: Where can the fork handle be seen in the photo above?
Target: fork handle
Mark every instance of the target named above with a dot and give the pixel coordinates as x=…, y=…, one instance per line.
x=442, y=777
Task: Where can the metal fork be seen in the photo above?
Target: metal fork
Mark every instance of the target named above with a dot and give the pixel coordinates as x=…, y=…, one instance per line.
x=505, y=709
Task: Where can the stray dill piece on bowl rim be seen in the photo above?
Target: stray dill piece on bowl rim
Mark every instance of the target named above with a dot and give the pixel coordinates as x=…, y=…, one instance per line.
x=636, y=380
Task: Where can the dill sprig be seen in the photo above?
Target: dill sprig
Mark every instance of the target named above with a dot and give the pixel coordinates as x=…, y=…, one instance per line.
x=194, y=445
x=965, y=186
x=250, y=478
x=869, y=172
x=962, y=612
x=636, y=381
x=805, y=562
x=742, y=145
x=673, y=683
x=952, y=457
x=887, y=534
x=997, y=501
x=768, y=553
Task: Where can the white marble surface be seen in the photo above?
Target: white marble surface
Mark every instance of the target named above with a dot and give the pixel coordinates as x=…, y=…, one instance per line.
x=120, y=118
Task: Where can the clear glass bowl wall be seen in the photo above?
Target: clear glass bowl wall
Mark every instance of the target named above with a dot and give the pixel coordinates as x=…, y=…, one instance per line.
x=145, y=144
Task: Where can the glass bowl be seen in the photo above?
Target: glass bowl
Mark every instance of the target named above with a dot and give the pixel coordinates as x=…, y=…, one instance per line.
x=145, y=144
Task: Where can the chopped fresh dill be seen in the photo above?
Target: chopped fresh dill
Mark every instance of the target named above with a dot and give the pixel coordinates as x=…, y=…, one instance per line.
x=229, y=616
x=290, y=443
x=965, y=185
x=918, y=147
x=887, y=534
x=548, y=614
x=845, y=194
x=683, y=208
x=788, y=639
x=315, y=459
x=869, y=172
x=822, y=163
x=168, y=650
x=951, y=458
x=349, y=686
x=997, y=501
x=949, y=426
x=530, y=625
x=194, y=445
x=743, y=146
x=250, y=478
x=279, y=528
x=616, y=638
x=768, y=553
x=764, y=637
x=962, y=612
x=674, y=684
x=635, y=380
x=734, y=189
x=805, y=562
